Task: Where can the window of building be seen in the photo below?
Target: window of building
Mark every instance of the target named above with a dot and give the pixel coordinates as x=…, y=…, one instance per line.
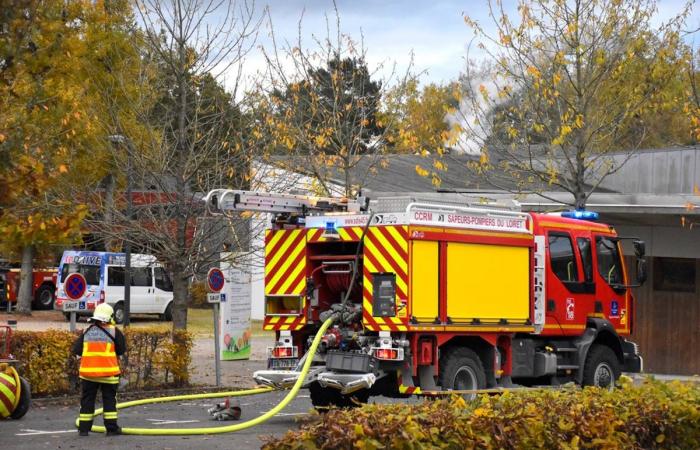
x=674, y=274
x=562, y=257
x=609, y=264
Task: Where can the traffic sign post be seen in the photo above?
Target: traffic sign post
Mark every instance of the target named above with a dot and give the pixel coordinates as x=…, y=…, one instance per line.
x=215, y=283
x=74, y=287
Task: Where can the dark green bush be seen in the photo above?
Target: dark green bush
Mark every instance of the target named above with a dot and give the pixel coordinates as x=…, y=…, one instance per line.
x=654, y=415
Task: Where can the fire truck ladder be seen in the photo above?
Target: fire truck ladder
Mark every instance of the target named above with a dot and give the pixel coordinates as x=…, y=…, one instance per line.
x=227, y=201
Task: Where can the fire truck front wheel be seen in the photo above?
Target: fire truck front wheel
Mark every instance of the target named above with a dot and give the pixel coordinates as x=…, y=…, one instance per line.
x=602, y=367
x=44, y=297
x=462, y=370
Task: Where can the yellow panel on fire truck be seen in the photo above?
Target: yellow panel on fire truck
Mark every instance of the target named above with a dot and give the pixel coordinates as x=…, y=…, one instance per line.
x=488, y=283
x=285, y=279
x=425, y=280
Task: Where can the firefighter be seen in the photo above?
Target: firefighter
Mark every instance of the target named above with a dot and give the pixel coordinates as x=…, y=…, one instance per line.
x=98, y=349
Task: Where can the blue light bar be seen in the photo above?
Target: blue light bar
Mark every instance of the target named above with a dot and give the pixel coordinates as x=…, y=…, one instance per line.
x=330, y=228
x=580, y=214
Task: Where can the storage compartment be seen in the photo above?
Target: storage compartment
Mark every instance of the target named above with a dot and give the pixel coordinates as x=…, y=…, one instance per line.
x=488, y=283
x=357, y=362
x=425, y=290
x=283, y=305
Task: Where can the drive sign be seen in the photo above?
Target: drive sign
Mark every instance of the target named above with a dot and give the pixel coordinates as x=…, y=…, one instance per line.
x=215, y=279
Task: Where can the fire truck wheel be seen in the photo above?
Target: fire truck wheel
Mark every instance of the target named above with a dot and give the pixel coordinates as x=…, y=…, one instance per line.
x=44, y=296
x=25, y=400
x=461, y=369
x=119, y=313
x=602, y=367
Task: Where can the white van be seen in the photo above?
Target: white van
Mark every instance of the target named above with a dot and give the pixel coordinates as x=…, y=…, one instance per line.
x=151, y=289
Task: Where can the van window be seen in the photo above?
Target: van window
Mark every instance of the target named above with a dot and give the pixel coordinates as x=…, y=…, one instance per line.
x=609, y=265
x=115, y=276
x=562, y=257
x=91, y=273
x=141, y=276
x=162, y=279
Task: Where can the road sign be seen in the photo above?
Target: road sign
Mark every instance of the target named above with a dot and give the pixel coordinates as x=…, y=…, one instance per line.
x=74, y=306
x=216, y=297
x=215, y=279
x=75, y=286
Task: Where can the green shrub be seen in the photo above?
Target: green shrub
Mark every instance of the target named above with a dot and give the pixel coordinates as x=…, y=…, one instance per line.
x=654, y=415
x=156, y=358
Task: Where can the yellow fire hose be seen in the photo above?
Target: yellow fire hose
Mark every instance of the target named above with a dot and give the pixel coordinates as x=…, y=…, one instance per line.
x=220, y=429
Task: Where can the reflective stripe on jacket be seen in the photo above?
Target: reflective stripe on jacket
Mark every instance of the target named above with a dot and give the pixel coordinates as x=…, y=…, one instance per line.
x=99, y=358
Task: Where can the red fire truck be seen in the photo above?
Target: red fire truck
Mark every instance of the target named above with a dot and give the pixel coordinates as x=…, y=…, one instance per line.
x=434, y=296
x=43, y=287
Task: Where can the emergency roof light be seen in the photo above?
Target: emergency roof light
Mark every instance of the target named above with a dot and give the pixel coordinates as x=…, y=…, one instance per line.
x=581, y=214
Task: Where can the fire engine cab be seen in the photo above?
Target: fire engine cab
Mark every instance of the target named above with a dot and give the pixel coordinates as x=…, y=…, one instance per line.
x=435, y=296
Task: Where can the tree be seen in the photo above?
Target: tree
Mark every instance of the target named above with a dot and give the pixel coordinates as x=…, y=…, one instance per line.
x=324, y=106
x=192, y=140
x=568, y=84
x=50, y=143
x=424, y=122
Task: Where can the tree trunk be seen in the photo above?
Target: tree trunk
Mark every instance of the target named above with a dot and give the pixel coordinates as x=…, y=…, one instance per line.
x=180, y=300
x=25, y=297
x=109, y=182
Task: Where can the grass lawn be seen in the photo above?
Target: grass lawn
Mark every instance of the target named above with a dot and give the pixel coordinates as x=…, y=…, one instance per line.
x=200, y=323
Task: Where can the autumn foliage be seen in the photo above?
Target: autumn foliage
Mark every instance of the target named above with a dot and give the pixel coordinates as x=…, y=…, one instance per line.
x=156, y=358
x=654, y=415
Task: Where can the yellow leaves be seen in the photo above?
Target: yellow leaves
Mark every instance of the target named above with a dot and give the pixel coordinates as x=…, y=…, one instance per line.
x=62, y=168
x=421, y=171
x=534, y=72
x=2, y=138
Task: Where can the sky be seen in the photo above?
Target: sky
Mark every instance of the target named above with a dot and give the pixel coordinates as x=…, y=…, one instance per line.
x=434, y=31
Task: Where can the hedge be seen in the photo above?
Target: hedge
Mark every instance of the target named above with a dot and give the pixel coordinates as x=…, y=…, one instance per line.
x=155, y=359
x=654, y=415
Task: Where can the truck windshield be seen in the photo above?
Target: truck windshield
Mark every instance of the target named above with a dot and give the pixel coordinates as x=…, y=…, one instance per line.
x=91, y=273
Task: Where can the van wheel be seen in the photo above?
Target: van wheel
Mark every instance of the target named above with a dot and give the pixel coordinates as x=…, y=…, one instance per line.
x=461, y=370
x=168, y=314
x=25, y=400
x=602, y=368
x=119, y=313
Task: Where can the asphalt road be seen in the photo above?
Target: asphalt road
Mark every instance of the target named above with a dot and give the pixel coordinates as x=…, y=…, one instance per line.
x=52, y=427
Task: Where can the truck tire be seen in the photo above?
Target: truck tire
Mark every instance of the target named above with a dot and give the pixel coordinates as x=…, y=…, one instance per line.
x=44, y=297
x=461, y=369
x=119, y=313
x=324, y=398
x=25, y=400
x=602, y=368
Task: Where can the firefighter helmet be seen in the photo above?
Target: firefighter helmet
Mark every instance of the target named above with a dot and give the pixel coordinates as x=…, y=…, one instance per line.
x=103, y=313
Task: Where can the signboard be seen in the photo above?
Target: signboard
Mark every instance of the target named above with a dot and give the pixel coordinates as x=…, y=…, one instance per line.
x=235, y=331
x=75, y=286
x=216, y=297
x=72, y=306
x=215, y=279
x=475, y=220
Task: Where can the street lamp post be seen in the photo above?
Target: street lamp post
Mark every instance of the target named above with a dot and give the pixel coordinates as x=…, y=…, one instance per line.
x=122, y=140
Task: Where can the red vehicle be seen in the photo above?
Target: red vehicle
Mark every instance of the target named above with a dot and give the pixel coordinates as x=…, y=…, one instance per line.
x=43, y=287
x=430, y=296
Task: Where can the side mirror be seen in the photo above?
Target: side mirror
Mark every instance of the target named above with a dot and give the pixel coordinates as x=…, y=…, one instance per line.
x=639, y=248
x=641, y=269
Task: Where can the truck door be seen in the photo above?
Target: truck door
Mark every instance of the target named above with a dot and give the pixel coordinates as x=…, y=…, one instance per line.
x=570, y=291
x=142, y=297
x=611, y=295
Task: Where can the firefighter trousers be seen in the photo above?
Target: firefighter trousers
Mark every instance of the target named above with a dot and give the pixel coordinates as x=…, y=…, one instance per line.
x=87, y=404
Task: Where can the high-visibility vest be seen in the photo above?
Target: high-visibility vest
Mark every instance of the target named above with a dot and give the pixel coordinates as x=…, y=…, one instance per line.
x=99, y=357
x=9, y=391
